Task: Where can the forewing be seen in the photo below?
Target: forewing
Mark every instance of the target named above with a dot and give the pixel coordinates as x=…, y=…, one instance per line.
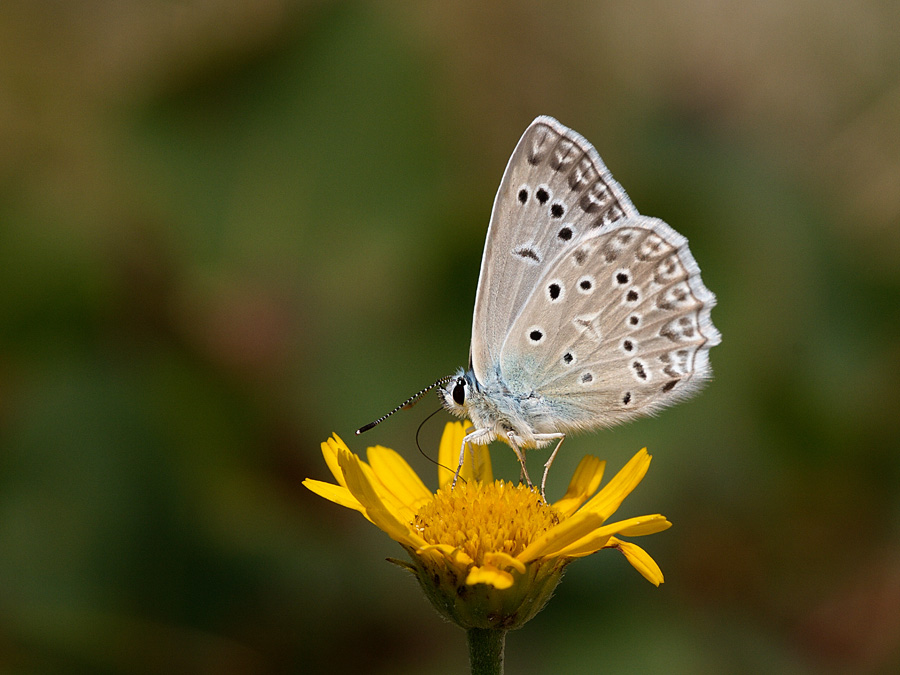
x=555, y=192
x=618, y=327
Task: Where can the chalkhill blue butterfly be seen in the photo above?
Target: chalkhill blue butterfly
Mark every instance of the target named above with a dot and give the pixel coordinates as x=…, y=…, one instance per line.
x=587, y=313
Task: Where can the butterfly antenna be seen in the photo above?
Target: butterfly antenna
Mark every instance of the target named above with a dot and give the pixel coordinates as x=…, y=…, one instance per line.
x=408, y=403
x=424, y=454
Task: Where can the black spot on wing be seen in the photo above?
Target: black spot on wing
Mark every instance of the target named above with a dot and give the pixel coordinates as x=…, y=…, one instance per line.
x=639, y=370
x=527, y=253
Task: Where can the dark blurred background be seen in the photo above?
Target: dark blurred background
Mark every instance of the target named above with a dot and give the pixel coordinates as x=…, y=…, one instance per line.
x=231, y=227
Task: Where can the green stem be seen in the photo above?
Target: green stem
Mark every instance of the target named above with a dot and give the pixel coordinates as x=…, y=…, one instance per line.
x=486, y=650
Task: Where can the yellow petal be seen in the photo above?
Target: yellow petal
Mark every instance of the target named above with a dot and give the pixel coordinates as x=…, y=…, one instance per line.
x=359, y=482
x=640, y=560
x=477, y=460
x=488, y=574
x=448, y=452
x=335, y=493
x=559, y=537
x=453, y=553
x=398, y=476
x=504, y=560
x=399, y=507
x=446, y=549
x=477, y=465
x=614, y=492
x=461, y=558
x=584, y=483
x=599, y=538
x=587, y=545
x=330, y=450
x=647, y=525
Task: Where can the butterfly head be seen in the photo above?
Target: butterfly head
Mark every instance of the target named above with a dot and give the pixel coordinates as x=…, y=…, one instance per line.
x=456, y=392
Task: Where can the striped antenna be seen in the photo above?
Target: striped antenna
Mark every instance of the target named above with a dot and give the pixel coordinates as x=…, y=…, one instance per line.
x=408, y=403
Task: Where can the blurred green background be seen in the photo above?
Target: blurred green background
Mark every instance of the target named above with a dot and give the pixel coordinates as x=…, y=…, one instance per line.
x=231, y=227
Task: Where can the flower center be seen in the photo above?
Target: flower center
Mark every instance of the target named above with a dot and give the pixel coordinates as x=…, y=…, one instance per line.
x=478, y=518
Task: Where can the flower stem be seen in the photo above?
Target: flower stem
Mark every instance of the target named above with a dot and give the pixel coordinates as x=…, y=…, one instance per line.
x=486, y=650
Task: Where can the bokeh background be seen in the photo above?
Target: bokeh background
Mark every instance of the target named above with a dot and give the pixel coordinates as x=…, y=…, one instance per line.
x=231, y=227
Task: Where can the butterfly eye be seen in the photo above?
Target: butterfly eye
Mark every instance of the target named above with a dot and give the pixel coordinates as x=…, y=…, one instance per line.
x=459, y=392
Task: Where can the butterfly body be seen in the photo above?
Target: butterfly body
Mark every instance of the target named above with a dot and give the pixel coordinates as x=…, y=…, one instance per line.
x=587, y=313
x=502, y=411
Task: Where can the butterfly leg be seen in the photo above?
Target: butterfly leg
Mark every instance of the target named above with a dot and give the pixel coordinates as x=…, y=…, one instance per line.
x=515, y=442
x=547, y=466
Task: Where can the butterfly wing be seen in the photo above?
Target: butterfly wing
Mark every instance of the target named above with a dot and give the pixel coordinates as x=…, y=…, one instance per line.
x=555, y=192
x=617, y=327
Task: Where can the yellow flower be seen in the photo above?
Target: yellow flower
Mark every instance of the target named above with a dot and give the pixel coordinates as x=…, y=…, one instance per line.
x=487, y=553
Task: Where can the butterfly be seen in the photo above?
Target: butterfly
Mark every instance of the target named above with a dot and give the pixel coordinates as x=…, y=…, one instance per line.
x=587, y=314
